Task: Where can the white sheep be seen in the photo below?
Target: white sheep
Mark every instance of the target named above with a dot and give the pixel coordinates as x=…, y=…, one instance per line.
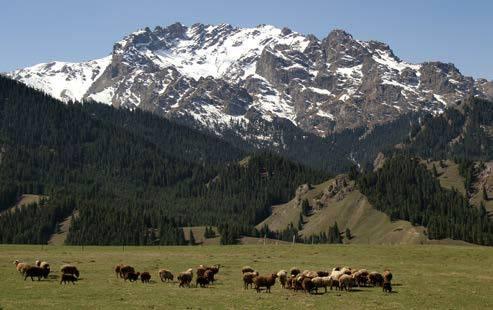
x=283, y=277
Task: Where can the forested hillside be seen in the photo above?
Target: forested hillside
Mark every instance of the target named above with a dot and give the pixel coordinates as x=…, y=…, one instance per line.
x=134, y=178
x=405, y=189
x=465, y=133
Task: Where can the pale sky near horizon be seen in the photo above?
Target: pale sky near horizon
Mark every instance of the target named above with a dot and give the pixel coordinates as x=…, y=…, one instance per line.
x=450, y=31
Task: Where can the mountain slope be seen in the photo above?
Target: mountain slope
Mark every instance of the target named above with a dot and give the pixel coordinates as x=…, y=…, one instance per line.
x=219, y=77
x=127, y=182
x=333, y=202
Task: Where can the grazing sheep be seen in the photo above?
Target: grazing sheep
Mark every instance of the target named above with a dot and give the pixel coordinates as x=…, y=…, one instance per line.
x=283, y=276
x=333, y=283
x=201, y=270
x=297, y=282
x=165, y=275
x=336, y=273
x=70, y=269
x=131, y=276
x=321, y=282
x=248, y=279
x=209, y=275
x=361, y=277
x=264, y=281
x=202, y=281
x=45, y=266
x=126, y=269
x=247, y=269
x=145, y=277
x=309, y=274
x=34, y=271
x=21, y=267
x=294, y=271
x=214, y=268
x=185, y=277
x=334, y=277
x=307, y=285
x=375, y=278
x=68, y=278
x=118, y=270
x=346, y=270
x=346, y=282
x=387, y=278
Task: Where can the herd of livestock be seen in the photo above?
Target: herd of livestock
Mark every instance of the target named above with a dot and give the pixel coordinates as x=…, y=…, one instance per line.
x=308, y=281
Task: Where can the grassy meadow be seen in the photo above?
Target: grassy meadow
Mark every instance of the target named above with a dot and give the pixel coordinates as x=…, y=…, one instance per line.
x=425, y=277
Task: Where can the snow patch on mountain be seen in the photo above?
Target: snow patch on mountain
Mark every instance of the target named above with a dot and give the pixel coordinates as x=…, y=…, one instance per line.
x=63, y=80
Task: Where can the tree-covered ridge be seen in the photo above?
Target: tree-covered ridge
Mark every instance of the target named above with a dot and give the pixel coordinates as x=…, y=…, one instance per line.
x=465, y=133
x=405, y=189
x=132, y=177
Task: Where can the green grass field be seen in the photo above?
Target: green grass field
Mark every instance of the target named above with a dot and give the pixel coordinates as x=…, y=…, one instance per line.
x=425, y=277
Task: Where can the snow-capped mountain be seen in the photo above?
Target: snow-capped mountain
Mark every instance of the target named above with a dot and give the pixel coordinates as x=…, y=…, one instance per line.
x=218, y=77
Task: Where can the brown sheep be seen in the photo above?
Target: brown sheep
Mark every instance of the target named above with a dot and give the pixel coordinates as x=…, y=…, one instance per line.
x=215, y=269
x=34, y=271
x=361, y=277
x=307, y=285
x=145, y=277
x=68, y=278
x=264, y=281
x=201, y=270
x=294, y=271
x=248, y=279
x=165, y=275
x=202, y=281
x=375, y=278
x=185, y=278
x=247, y=269
x=45, y=266
x=322, y=273
x=346, y=282
x=21, y=267
x=209, y=275
x=387, y=278
x=131, y=276
x=118, y=270
x=297, y=282
x=70, y=269
x=126, y=269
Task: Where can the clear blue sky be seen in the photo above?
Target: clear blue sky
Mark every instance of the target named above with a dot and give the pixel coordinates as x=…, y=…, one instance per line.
x=451, y=31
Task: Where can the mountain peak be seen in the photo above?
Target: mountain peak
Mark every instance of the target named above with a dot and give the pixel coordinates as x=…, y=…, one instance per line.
x=219, y=76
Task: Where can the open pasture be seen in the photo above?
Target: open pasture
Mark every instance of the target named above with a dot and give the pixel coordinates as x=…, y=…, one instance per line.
x=426, y=276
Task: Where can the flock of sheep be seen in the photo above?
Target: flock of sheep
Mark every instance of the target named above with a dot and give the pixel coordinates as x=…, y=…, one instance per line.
x=308, y=281
x=40, y=269
x=205, y=275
